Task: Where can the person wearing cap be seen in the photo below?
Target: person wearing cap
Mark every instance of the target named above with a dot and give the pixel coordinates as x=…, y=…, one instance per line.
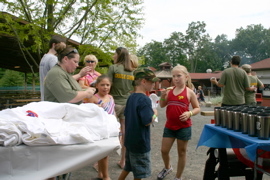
x=138, y=117
x=250, y=98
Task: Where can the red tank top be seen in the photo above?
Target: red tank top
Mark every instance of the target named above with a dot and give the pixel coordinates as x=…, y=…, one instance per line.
x=176, y=106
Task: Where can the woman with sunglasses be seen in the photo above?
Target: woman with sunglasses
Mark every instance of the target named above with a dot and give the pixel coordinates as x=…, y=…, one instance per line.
x=90, y=61
x=59, y=84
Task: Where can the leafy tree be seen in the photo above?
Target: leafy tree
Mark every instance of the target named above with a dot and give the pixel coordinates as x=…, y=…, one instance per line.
x=174, y=47
x=2, y=72
x=195, y=34
x=105, y=59
x=224, y=51
x=206, y=56
x=192, y=50
x=102, y=24
x=153, y=54
x=253, y=43
x=12, y=78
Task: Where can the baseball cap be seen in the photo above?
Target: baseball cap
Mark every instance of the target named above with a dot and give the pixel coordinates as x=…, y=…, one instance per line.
x=145, y=73
x=246, y=67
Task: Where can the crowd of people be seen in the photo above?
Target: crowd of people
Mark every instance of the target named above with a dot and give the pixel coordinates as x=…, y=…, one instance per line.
x=123, y=92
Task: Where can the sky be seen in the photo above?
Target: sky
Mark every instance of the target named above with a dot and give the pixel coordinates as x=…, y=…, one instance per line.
x=163, y=17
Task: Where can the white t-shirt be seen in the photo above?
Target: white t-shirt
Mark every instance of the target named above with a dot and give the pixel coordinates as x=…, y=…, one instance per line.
x=46, y=63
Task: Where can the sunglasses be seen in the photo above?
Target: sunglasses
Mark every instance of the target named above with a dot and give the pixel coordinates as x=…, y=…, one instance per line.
x=90, y=61
x=73, y=51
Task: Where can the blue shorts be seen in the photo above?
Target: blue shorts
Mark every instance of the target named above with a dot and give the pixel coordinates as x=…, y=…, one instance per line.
x=139, y=164
x=181, y=134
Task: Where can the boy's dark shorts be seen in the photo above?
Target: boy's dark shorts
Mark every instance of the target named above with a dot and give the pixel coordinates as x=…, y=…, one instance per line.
x=181, y=134
x=139, y=164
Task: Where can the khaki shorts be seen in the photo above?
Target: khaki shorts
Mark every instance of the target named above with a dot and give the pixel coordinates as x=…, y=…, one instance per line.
x=119, y=110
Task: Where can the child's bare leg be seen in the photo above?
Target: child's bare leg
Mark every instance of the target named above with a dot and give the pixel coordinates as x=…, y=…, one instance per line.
x=103, y=171
x=165, y=150
x=123, y=175
x=121, y=163
x=182, y=157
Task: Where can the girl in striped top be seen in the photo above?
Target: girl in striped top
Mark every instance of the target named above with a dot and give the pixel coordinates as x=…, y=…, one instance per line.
x=102, y=97
x=104, y=100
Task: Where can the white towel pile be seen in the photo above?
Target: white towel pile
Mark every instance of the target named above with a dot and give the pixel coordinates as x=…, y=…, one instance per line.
x=56, y=123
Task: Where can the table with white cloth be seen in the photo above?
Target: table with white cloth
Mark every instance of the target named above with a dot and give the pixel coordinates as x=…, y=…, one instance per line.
x=41, y=162
x=218, y=137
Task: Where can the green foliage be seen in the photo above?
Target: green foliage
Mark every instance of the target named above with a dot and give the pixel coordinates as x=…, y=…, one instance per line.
x=153, y=54
x=103, y=24
x=189, y=50
x=12, y=78
x=30, y=78
x=254, y=42
x=216, y=100
x=224, y=51
x=175, y=49
x=198, y=52
x=194, y=43
x=2, y=72
x=103, y=58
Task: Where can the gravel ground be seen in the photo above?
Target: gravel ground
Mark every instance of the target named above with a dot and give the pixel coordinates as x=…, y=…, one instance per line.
x=195, y=157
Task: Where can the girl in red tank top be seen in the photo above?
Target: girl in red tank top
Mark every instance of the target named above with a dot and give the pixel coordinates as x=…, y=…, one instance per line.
x=176, y=106
x=178, y=124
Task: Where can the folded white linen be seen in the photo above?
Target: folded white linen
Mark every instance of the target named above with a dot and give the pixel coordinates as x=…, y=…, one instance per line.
x=10, y=135
x=61, y=123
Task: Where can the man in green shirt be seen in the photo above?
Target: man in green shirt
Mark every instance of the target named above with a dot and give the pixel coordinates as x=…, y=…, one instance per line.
x=250, y=98
x=235, y=82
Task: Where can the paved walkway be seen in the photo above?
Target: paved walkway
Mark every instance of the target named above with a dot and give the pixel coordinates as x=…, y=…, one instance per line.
x=195, y=161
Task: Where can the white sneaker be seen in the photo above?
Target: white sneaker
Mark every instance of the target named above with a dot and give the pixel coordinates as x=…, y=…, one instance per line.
x=164, y=173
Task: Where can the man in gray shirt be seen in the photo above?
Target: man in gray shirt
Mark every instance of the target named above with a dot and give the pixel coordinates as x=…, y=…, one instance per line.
x=56, y=45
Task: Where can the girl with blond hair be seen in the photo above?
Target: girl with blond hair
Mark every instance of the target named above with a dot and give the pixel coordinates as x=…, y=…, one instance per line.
x=178, y=124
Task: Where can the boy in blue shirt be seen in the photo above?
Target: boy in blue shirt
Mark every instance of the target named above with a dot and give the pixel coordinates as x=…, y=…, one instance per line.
x=139, y=115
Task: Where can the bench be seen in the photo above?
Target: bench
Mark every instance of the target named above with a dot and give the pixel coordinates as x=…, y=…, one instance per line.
x=207, y=113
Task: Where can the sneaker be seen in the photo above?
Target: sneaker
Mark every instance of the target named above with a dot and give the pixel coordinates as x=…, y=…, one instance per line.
x=164, y=173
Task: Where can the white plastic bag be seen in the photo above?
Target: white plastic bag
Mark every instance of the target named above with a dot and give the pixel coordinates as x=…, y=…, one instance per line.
x=155, y=102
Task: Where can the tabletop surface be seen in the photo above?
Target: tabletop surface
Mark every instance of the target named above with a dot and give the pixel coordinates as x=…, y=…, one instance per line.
x=219, y=137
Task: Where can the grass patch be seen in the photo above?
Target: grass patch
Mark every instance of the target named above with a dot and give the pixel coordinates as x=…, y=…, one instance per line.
x=216, y=100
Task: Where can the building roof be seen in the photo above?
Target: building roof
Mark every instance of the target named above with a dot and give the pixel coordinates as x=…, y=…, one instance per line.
x=260, y=65
x=165, y=64
x=168, y=74
x=153, y=69
x=215, y=74
x=164, y=74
